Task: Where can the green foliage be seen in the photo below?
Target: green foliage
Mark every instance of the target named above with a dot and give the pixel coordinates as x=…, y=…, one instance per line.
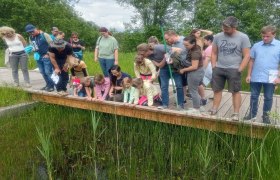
x=45, y=14
x=12, y=96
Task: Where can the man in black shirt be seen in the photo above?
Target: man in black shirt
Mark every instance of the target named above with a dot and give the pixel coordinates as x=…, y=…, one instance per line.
x=61, y=54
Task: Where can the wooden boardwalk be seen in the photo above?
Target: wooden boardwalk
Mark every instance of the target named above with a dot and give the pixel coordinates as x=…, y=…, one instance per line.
x=220, y=122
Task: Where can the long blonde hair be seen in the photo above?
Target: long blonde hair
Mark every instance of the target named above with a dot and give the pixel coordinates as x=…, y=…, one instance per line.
x=5, y=30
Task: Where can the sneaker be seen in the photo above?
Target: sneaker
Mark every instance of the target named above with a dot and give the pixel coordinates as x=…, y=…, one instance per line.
x=162, y=107
x=43, y=88
x=27, y=85
x=16, y=84
x=266, y=119
x=212, y=112
x=193, y=111
x=203, y=102
x=234, y=117
x=62, y=93
x=49, y=89
x=249, y=117
x=180, y=108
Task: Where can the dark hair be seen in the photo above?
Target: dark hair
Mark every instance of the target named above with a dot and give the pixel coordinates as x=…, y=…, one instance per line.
x=194, y=31
x=191, y=39
x=115, y=67
x=114, y=78
x=209, y=38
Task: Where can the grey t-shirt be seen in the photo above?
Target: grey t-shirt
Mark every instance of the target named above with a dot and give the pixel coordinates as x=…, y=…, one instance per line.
x=230, y=49
x=158, y=53
x=180, y=44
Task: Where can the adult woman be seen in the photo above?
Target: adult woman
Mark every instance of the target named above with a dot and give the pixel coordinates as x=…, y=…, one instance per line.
x=197, y=34
x=116, y=77
x=17, y=55
x=195, y=72
x=77, y=45
x=106, y=51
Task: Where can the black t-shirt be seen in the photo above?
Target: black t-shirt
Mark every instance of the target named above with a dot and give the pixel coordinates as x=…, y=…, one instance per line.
x=61, y=56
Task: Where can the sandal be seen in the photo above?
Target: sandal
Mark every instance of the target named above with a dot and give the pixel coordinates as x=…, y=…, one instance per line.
x=213, y=112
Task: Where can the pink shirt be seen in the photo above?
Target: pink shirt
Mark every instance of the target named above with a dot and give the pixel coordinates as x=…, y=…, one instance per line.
x=99, y=88
x=207, y=52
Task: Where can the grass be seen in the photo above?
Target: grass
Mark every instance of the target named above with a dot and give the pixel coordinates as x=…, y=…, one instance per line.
x=127, y=148
x=12, y=96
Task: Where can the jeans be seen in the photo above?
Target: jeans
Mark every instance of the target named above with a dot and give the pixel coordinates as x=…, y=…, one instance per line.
x=63, y=78
x=268, y=89
x=164, y=78
x=106, y=65
x=46, y=69
x=15, y=60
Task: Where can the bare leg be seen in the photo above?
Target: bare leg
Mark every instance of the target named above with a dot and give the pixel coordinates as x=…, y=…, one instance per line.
x=217, y=99
x=236, y=101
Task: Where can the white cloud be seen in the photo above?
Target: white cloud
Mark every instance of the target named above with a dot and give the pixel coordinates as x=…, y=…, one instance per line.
x=105, y=13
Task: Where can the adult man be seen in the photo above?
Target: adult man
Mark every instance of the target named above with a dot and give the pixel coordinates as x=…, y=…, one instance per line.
x=230, y=55
x=61, y=55
x=55, y=32
x=176, y=41
x=106, y=51
x=40, y=41
x=264, y=63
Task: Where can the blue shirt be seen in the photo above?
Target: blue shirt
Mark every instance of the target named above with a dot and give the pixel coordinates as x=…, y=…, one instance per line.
x=40, y=44
x=266, y=57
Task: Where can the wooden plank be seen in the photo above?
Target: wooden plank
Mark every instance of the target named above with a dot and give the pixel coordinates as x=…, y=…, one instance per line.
x=153, y=114
x=260, y=109
x=243, y=106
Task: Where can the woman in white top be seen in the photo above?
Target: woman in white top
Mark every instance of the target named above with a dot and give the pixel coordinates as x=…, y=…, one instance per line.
x=17, y=55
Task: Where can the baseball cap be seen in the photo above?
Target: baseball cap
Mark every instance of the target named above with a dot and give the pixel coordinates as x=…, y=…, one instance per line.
x=29, y=28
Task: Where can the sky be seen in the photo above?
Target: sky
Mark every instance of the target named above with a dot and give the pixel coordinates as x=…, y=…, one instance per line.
x=105, y=13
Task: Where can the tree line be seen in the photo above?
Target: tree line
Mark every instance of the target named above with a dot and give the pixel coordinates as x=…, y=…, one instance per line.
x=180, y=15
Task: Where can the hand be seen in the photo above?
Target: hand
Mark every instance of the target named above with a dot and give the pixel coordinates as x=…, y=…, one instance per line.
x=276, y=81
x=65, y=68
x=248, y=79
x=111, y=94
x=181, y=71
x=89, y=98
x=57, y=71
x=46, y=56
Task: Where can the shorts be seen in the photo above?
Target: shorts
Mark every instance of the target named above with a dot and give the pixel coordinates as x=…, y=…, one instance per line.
x=221, y=75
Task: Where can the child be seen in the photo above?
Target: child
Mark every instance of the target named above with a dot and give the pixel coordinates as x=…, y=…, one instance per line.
x=78, y=89
x=144, y=68
x=88, y=85
x=128, y=91
x=79, y=69
x=149, y=93
x=101, y=87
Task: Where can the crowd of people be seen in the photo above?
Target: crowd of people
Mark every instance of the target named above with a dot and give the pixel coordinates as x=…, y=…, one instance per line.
x=190, y=63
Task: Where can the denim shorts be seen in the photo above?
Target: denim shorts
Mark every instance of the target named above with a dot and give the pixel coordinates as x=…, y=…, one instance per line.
x=222, y=75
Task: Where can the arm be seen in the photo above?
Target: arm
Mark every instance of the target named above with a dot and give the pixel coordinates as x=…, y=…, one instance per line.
x=214, y=56
x=152, y=68
x=249, y=72
x=136, y=71
x=116, y=55
x=206, y=32
x=193, y=67
x=85, y=72
x=159, y=64
x=107, y=88
x=136, y=96
x=88, y=92
x=72, y=71
x=245, y=60
x=22, y=40
x=53, y=61
x=96, y=54
x=125, y=95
